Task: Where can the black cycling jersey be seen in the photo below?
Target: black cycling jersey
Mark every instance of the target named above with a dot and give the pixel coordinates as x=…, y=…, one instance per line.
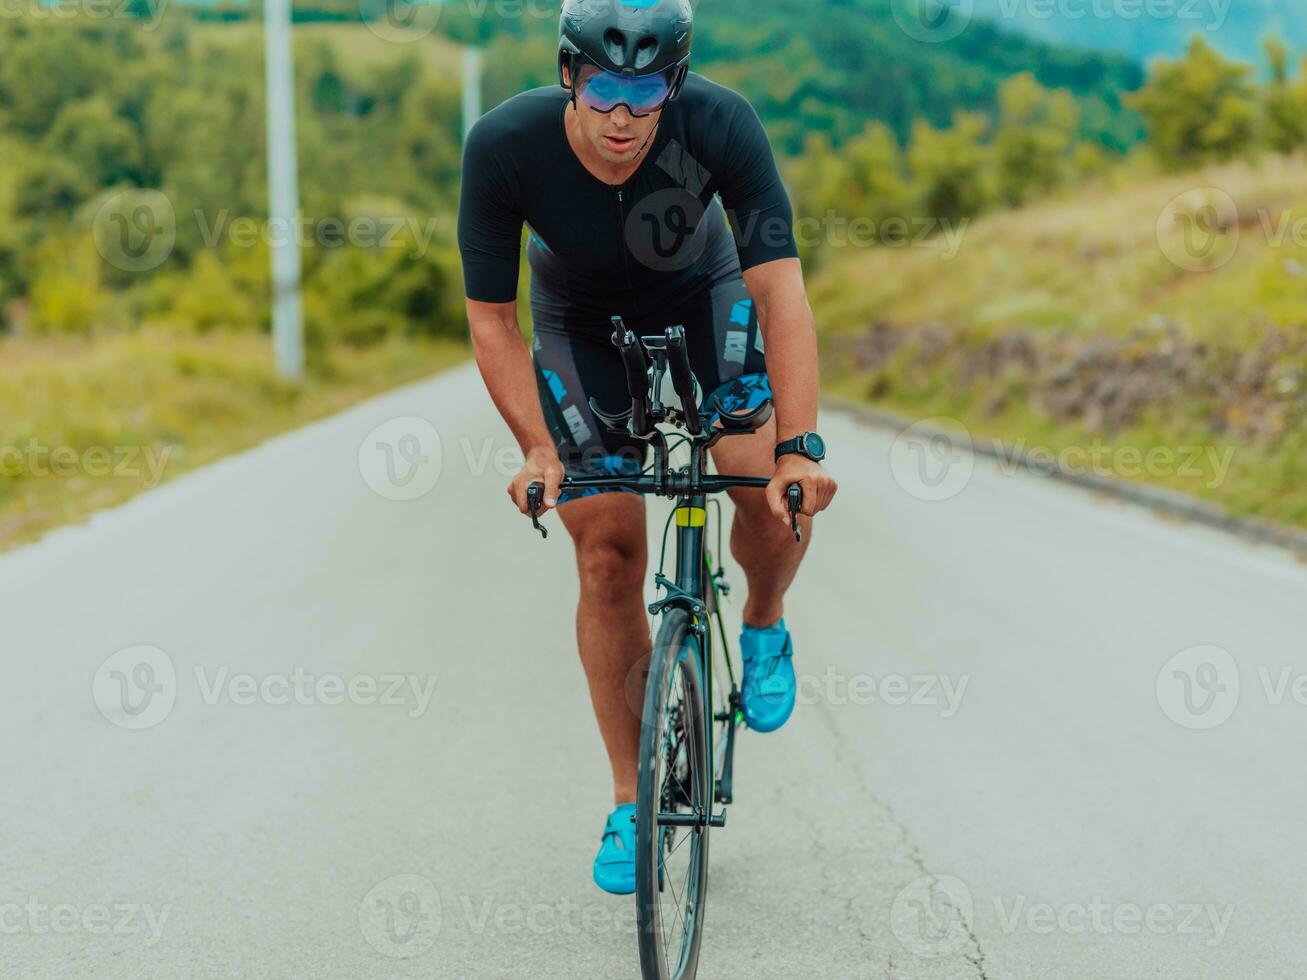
x=603, y=249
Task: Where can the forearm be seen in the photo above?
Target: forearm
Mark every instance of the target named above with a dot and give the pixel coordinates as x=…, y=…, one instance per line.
x=505, y=365
x=790, y=339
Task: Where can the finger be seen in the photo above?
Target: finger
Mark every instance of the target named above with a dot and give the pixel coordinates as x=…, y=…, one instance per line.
x=552, y=479
x=776, y=502
x=825, y=494
x=831, y=491
x=811, y=497
x=517, y=490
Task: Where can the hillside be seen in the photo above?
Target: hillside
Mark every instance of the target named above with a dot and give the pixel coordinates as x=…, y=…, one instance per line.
x=1236, y=29
x=831, y=67
x=1146, y=313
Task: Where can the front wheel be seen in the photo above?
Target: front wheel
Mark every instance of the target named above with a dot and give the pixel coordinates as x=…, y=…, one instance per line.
x=671, y=871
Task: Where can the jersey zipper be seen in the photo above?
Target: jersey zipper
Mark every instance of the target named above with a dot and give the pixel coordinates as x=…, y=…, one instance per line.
x=626, y=251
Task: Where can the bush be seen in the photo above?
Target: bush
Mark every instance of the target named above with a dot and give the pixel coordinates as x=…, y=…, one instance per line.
x=1199, y=109
x=67, y=296
x=951, y=168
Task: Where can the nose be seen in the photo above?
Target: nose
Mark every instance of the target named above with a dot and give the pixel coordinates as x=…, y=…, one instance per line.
x=621, y=116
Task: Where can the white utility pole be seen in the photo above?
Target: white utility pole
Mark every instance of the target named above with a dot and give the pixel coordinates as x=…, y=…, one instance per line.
x=283, y=192
x=471, y=88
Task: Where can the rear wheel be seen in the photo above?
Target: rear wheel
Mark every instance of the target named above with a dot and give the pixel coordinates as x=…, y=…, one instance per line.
x=671, y=872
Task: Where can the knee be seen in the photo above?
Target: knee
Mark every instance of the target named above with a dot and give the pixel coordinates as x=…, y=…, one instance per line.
x=753, y=514
x=607, y=560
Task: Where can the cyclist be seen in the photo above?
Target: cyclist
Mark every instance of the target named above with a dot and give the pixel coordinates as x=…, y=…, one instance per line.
x=616, y=175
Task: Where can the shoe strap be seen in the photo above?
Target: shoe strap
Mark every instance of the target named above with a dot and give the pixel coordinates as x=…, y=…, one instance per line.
x=786, y=650
x=619, y=823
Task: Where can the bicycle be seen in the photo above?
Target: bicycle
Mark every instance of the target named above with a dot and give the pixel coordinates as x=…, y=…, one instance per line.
x=687, y=718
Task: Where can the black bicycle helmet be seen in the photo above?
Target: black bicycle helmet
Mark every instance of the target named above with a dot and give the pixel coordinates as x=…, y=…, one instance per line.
x=628, y=37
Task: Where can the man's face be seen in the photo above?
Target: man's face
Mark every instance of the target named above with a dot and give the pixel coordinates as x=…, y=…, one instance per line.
x=617, y=136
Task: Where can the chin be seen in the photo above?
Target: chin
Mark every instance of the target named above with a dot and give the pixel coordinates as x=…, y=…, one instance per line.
x=612, y=157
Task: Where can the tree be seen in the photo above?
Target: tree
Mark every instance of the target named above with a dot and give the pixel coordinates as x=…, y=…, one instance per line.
x=862, y=181
x=1198, y=109
x=1285, y=106
x=97, y=141
x=1036, y=132
x=877, y=189
x=951, y=168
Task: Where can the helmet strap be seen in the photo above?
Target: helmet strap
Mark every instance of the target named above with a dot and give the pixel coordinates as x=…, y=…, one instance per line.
x=568, y=60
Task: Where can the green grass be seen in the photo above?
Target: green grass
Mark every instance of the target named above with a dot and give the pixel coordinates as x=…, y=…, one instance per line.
x=126, y=411
x=1069, y=324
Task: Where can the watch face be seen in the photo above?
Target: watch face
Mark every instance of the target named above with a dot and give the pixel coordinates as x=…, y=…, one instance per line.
x=814, y=446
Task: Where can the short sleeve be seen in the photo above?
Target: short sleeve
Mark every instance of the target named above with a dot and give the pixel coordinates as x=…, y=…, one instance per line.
x=752, y=192
x=489, y=222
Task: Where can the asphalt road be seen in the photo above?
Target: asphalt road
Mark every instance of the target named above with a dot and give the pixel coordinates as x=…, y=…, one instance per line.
x=272, y=721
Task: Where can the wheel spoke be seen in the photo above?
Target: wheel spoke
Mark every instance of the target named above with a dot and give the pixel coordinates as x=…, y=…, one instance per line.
x=675, y=780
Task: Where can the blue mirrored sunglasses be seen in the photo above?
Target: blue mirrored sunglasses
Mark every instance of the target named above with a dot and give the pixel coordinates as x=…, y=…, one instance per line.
x=642, y=95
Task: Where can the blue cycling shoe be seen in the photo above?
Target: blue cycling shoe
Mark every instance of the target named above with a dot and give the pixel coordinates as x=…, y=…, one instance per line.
x=769, y=686
x=615, y=862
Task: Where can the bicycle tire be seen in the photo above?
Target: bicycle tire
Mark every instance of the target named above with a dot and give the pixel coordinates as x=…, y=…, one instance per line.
x=673, y=719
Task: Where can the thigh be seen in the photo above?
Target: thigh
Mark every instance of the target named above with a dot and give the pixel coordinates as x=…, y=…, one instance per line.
x=609, y=521
x=722, y=337
x=571, y=369
x=727, y=356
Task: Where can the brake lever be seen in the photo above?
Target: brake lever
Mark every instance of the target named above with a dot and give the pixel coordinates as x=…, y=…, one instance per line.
x=794, y=499
x=535, y=499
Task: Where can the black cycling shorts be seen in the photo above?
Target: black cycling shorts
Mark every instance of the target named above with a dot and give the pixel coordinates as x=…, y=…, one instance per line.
x=575, y=363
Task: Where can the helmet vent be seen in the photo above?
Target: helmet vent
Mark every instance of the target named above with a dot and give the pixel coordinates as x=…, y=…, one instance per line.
x=615, y=46
x=645, y=51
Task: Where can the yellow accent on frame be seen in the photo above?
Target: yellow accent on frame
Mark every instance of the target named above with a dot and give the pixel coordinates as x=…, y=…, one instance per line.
x=691, y=516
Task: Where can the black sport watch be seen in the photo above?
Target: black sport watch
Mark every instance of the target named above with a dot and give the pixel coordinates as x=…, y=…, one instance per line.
x=809, y=444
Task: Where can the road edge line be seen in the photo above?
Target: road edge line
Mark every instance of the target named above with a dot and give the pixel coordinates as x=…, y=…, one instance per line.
x=1173, y=503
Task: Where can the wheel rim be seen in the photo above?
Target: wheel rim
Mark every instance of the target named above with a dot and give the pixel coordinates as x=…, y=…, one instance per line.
x=678, y=851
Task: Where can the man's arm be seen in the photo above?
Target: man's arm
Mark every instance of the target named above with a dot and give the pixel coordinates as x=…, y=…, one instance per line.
x=790, y=338
x=505, y=365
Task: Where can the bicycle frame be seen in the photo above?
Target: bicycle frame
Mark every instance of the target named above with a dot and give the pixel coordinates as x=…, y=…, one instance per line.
x=689, y=486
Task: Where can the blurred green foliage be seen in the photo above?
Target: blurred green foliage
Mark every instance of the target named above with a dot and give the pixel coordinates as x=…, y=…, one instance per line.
x=1199, y=109
x=1286, y=101
x=90, y=108
x=832, y=67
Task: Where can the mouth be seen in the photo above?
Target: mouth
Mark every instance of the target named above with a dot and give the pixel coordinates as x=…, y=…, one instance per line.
x=619, y=144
